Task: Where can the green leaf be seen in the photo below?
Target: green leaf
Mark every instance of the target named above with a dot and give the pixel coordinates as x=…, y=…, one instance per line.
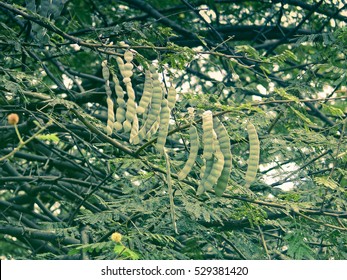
x=50, y=137
x=302, y=116
x=326, y=182
x=125, y=253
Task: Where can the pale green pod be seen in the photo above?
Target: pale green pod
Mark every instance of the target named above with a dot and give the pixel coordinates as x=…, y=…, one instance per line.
x=134, y=130
x=126, y=80
x=120, y=64
x=128, y=56
x=128, y=67
x=205, y=172
x=207, y=137
x=163, y=126
x=110, y=116
x=142, y=134
x=130, y=91
x=224, y=143
x=154, y=112
x=153, y=129
x=121, y=102
x=154, y=72
x=127, y=126
x=118, y=126
x=131, y=110
x=216, y=169
x=120, y=114
x=105, y=70
x=107, y=88
x=194, y=149
x=171, y=97
x=146, y=95
x=254, y=153
x=121, y=105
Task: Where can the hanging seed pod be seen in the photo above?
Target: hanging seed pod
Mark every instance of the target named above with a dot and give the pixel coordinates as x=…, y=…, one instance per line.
x=213, y=170
x=120, y=113
x=146, y=95
x=157, y=96
x=207, y=126
x=153, y=129
x=110, y=109
x=217, y=167
x=110, y=116
x=254, y=153
x=134, y=130
x=120, y=64
x=194, y=149
x=225, y=148
x=171, y=97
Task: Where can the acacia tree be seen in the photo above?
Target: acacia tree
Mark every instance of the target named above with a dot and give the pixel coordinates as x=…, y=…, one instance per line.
x=134, y=118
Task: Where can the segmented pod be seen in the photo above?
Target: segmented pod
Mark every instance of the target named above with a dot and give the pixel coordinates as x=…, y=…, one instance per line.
x=134, y=130
x=121, y=105
x=105, y=70
x=225, y=148
x=153, y=129
x=110, y=116
x=131, y=104
x=194, y=148
x=254, y=153
x=171, y=97
x=110, y=112
x=214, y=168
x=163, y=126
x=157, y=96
x=126, y=126
x=146, y=95
x=120, y=64
x=207, y=126
x=205, y=172
x=128, y=56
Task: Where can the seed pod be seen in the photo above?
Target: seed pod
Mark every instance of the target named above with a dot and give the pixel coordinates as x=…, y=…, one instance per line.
x=254, y=152
x=128, y=67
x=110, y=116
x=155, y=103
x=146, y=95
x=163, y=126
x=207, y=126
x=225, y=148
x=153, y=129
x=127, y=126
x=131, y=110
x=120, y=64
x=194, y=148
x=171, y=97
x=134, y=130
x=105, y=70
x=128, y=56
x=131, y=104
x=110, y=112
x=120, y=113
x=205, y=172
x=214, y=168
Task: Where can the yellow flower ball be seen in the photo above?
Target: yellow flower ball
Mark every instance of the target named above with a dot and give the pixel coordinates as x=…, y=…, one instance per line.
x=116, y=237
x=13, y=119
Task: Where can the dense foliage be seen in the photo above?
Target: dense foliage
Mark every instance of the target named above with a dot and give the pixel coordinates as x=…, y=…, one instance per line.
x=67, y=182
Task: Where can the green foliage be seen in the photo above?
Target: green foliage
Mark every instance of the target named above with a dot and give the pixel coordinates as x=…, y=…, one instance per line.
x=70, y=186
